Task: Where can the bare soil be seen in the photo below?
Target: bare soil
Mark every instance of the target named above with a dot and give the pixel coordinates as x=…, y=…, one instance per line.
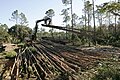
x=9, y=46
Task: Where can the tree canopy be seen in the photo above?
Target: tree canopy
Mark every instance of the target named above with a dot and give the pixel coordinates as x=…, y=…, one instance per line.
x=19, y=18
x=112, y=7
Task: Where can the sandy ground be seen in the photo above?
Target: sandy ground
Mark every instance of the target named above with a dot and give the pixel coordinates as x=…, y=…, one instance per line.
x=10, y=46
x=103, y=49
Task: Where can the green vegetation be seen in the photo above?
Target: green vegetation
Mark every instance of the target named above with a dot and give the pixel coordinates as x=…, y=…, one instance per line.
x=4, y=36
x=108, y=72
x=32, y=49
x=104, y=31
x=22, y=45
x=10, y=54
x=19, y=32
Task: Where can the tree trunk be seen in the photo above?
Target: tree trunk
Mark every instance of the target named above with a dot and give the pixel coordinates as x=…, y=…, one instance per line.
x=72, y=22
x=94, y=24
x=89, y=27
x=115, y=21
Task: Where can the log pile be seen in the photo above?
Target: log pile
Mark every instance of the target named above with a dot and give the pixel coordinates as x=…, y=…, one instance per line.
x=46, y=60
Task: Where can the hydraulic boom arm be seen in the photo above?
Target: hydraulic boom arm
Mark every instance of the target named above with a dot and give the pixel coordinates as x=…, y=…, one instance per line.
x=47, y=21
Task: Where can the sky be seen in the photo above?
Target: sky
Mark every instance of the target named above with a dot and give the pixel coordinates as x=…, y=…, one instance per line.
x=35, y=10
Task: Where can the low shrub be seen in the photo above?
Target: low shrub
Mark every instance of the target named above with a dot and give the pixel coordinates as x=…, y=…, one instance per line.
x=108, y=73
x=32, y=49
x=10, y=54
x=21, y=45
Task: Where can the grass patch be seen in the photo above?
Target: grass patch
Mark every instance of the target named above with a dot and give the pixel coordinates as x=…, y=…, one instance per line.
x=108, y=72
x=10, y=54
x=32, y=49
x=21, y=45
